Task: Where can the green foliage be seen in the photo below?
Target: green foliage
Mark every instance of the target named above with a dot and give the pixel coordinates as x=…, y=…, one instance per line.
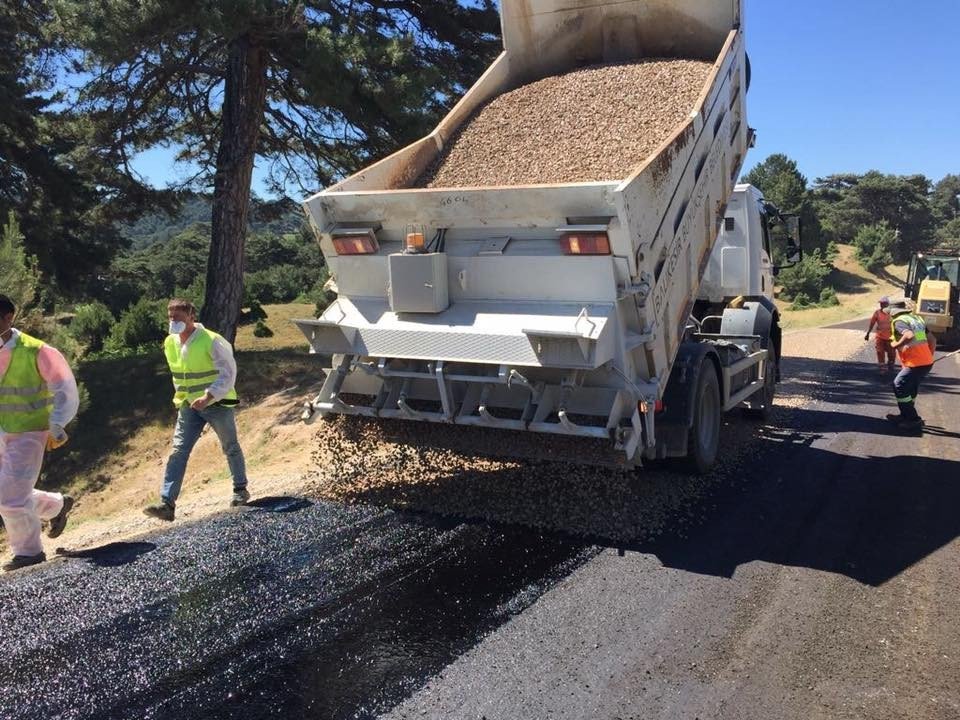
x=141, y=328
x=261, y=330
x=20, y=278
x=874, y=246
x=805, y=279
x=350, y=81
x=832, y=252
x=945, y=199
x=782, y=184
x=828, y=298
x=317, y=295
x=948, y=235
x=19, y=275
x=254, y=313
x=91, y=325
x=780, y=181
x=280, y=268
x=801, y=302
x=849, y=202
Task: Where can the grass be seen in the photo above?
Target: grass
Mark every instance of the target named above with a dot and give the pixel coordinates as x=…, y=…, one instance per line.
x=285, y=333
x=857, y=290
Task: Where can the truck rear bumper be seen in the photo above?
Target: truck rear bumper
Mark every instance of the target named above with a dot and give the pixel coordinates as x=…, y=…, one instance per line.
x=554, y=335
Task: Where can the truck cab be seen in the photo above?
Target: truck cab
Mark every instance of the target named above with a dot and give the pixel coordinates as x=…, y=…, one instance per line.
x=742, y=260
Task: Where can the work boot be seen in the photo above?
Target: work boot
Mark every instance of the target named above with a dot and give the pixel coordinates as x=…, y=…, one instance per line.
x=160, y=511
x=240, y=497
x=22, y=561
x=59, y=521
x=915, y=424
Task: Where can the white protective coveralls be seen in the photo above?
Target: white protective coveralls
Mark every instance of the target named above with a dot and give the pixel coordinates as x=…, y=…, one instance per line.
x=21, y=454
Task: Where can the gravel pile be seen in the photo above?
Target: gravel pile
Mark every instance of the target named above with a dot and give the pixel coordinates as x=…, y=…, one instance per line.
x=597, y=123
x=406, y=465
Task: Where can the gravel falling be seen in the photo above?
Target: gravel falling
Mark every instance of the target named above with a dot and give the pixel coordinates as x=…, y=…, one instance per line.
x=594, y=124
x=426, y=467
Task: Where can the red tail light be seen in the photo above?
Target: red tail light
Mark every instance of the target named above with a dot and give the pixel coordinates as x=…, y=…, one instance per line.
x=586, y=243
x=355, y=245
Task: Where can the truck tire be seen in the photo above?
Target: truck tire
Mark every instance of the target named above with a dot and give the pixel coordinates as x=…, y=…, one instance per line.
x=763, y=405
x=704, y=440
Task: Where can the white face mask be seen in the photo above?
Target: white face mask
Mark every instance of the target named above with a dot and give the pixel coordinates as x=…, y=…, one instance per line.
x=177, y=327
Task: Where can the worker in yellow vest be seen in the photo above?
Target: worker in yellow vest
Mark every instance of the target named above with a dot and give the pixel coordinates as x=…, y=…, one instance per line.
x=38, y=397
x=910, y=340
x=204, y=372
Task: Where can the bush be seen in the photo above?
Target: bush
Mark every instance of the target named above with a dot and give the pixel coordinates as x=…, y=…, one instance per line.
x=254, y=313
x=832, y=252
x=317, y=295
x=806, y=277
x=92, y=325
x=828, y=298
x=801, y=302
x=261, y=330
x=874, y=246
x=141, y=328
x=279, y=284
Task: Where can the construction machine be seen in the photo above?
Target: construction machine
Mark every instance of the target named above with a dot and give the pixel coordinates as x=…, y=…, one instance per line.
x=633, y=311
x=933, y=283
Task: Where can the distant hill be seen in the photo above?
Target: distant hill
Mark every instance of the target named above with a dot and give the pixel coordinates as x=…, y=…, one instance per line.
x=159, y=227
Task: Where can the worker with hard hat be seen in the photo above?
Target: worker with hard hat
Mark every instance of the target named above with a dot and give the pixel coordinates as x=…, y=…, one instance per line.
x=38, y=397
x=915, y=347
x=886, y=354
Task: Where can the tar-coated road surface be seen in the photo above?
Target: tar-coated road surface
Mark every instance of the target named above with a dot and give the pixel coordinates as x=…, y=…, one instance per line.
x=821, y=583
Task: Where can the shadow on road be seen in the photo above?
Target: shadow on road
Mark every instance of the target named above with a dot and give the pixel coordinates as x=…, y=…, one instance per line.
x=866, y=518
x=112, y=554
x=280, y=503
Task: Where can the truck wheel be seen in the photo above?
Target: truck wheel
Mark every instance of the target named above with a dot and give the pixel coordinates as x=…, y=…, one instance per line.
x=763, y=405
x=704, y=439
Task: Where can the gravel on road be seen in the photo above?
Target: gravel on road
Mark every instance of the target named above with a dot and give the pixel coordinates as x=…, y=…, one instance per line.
x=405, y=465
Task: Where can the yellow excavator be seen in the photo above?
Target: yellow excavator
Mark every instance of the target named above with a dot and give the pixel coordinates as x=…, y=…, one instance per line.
x=933, y=283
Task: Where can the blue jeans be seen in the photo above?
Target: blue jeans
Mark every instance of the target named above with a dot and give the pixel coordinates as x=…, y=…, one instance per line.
x=905, y=387
x=190, y=424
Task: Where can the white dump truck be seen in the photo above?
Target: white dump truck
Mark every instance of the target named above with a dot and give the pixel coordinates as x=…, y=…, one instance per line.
x=632, y=310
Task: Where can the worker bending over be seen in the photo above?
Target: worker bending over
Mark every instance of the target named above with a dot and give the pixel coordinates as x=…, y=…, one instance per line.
x=910, y=340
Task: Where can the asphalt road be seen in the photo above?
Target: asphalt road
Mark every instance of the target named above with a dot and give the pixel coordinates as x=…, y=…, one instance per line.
x=822, y=583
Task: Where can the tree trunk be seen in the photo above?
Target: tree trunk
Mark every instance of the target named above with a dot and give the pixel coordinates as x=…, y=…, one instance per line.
x=243, y=104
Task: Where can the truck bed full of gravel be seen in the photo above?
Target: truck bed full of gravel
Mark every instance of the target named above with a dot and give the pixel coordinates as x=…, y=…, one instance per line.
x=594, y=124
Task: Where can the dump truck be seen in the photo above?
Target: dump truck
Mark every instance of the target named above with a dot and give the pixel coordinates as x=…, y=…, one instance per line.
x=631, y=311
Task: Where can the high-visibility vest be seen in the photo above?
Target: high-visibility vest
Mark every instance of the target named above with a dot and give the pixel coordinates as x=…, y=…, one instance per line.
x=25, y=399
x=916, y=352
x=195, y=372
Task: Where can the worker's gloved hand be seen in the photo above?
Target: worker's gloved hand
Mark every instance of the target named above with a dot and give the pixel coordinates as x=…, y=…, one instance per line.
x=56, y=438
x=867, y=336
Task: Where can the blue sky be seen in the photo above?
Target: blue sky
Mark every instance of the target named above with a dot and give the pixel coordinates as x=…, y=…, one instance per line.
x=838, y=85
x=852, y=85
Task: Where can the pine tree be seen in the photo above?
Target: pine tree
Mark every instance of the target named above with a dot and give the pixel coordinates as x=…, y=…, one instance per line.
x=314, y=88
